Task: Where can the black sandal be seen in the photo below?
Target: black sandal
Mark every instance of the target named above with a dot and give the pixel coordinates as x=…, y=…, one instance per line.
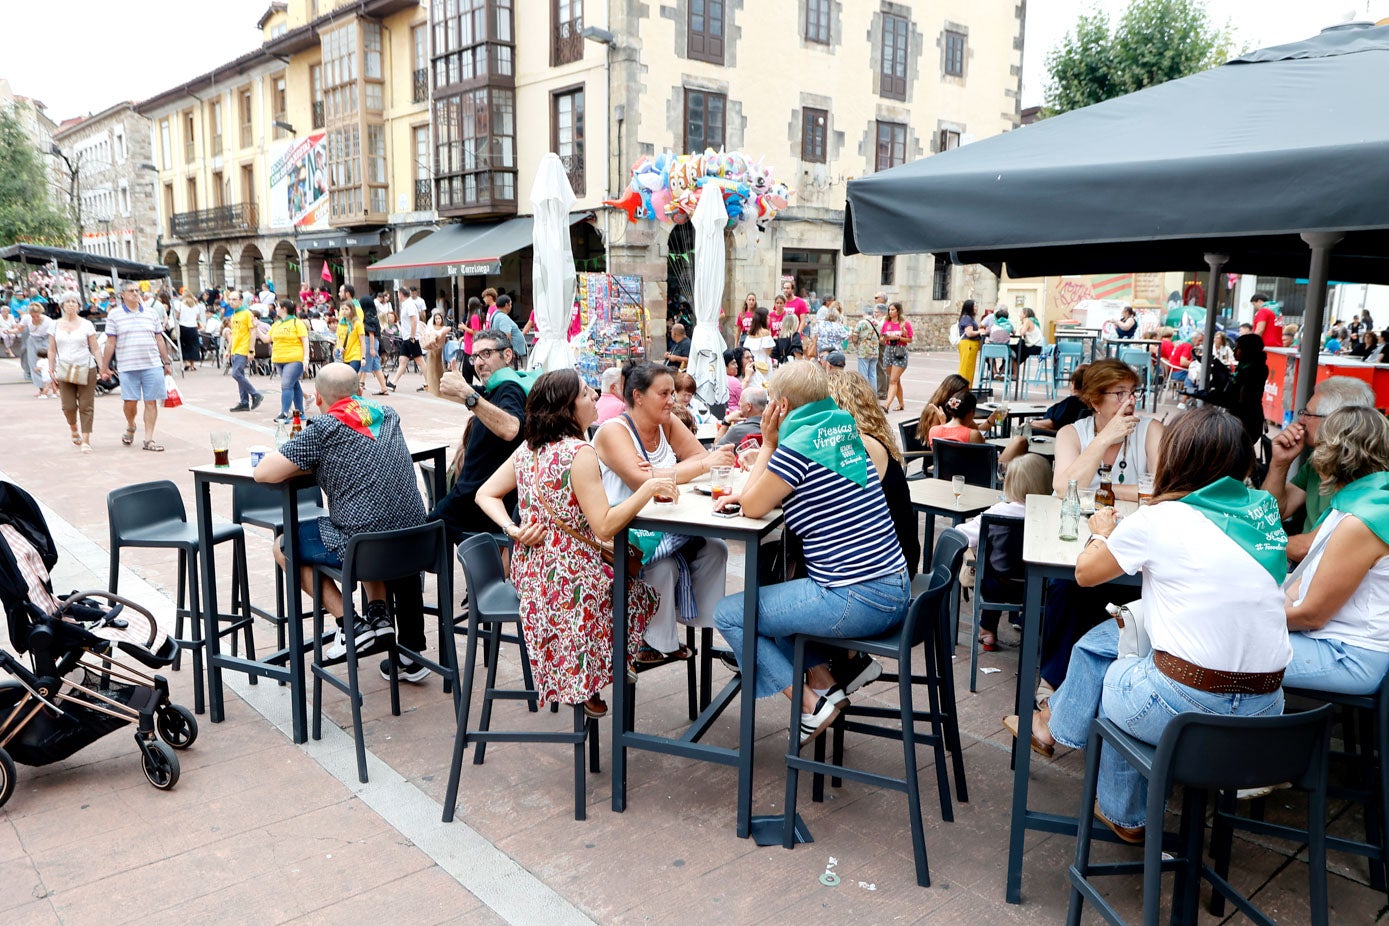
x=649, y=657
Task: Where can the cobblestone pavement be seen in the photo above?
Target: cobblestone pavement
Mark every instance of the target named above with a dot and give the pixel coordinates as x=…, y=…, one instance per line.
x=262, y=831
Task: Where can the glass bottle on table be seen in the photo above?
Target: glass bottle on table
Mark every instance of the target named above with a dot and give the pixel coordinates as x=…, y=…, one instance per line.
x=1070, y=512
x=1104, y=495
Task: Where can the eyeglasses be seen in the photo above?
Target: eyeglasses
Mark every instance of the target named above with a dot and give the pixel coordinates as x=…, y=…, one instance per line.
x=1122, y=394
x=486, y=352
x=1304, y=413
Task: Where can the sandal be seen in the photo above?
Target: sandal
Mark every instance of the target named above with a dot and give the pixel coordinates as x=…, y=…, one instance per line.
x=1045, y=750
x=595, y=707
x=152, y=447
x=86, y=447
x=988, y=642
x=128, y=437
x=649, y=657
x=76, y=439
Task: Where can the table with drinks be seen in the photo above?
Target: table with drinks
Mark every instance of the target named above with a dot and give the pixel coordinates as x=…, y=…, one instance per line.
x=1007, y=411
x=1054, y=532
x=286, y=665
x=691, y=512
x=949, y=498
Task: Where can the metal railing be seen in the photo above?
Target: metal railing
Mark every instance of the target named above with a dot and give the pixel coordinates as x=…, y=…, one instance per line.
x=421, y=84
x=567, y=42
x=424, y=196
x=208, y=223
x=574, y=167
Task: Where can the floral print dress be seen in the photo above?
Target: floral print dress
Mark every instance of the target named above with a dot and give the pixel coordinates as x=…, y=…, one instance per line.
x=566, y=589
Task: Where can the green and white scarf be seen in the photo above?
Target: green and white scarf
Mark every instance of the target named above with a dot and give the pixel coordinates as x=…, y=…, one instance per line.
x=1250, y=518
x=1367, y=499
x=829, y=436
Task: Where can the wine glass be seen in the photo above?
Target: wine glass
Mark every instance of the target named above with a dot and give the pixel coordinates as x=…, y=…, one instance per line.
x=957, y=485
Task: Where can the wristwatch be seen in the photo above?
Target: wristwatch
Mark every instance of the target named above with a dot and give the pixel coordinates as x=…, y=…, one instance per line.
x=472, y=400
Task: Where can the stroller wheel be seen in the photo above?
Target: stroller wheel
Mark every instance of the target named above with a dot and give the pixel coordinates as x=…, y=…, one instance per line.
x=161, y=765
x=176, y=726
x=7, y=777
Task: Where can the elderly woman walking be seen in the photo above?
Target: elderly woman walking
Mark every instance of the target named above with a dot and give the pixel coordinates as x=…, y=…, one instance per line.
x=72, y=361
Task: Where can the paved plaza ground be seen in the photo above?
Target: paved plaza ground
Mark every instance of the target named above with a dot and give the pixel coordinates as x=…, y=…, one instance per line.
x=260, y=830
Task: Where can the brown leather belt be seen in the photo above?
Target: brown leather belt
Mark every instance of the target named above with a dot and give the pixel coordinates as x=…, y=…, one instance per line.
x=1216, y=681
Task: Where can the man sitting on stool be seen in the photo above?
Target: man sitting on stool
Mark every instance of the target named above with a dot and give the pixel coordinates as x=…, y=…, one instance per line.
x=357, y=451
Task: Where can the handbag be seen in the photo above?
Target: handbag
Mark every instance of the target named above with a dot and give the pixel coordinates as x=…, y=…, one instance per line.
x=605, y=550
x=72, y=373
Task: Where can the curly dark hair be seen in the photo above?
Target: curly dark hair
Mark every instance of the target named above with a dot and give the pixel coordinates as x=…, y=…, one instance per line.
x=550, y=408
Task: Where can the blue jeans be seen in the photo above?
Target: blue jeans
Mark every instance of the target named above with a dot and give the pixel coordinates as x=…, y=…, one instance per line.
x=243, y=385
x=868, y=366
x=291, y=393
x=1330, y=665
x=804, y=606
x=1141, y=701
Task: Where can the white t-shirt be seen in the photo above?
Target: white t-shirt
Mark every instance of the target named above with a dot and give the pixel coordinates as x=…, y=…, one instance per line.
x=409, y=315
x=1205, y=599
x=73, y=347
x=1363, y=620
x=1000, y=509
x=188, y=315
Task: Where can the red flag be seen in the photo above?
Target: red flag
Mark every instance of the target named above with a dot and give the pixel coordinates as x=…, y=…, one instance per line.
x=327, y=274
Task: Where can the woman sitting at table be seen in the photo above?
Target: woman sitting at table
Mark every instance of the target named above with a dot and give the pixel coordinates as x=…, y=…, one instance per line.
x=1212, y=555
x=565, y=588
x=1127, y=325
x=959, y=425
x=1031, y=475
x=934, y=412
x=813, y=465
x=855, y=395
x=1115, y=436
x=1338, y=598
x=687, y=573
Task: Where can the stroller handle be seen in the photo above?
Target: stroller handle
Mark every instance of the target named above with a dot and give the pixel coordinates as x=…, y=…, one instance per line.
x=120, y=603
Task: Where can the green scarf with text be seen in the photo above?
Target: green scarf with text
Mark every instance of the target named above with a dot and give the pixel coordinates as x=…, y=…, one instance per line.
x=1250, y=518
x=829, y=436
x=1367, y=499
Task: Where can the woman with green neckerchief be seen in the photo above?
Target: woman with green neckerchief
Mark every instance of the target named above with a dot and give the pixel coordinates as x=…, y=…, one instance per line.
x=814, y=467
x=1212, y=553
x=1338, y=599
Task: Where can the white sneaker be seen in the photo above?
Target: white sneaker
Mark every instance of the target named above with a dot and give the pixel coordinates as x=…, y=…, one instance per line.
x=827, y=710
x=337, y=650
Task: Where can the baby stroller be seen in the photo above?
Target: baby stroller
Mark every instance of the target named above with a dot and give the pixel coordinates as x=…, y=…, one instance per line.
x=77, y=686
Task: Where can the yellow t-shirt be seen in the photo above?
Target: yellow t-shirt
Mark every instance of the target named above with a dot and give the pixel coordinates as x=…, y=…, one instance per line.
x=287, y=340
x=350, y=341
x=243, y=322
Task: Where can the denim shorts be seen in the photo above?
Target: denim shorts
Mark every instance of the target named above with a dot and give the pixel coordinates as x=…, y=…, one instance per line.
x=371, y=363
x=310, y=549
x=146, y=385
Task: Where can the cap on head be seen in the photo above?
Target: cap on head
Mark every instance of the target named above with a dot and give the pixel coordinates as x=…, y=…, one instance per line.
x=836, y=358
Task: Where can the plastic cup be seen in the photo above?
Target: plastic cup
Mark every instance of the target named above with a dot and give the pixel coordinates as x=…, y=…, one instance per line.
x=1087, y=501
x=665, y=473
x=1145, y=489
x=221, y=448
x=257, y=454
x=720, y=481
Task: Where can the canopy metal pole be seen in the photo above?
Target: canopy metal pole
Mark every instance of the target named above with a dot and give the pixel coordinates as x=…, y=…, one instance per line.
x=1321, y=244
x=1215, y=262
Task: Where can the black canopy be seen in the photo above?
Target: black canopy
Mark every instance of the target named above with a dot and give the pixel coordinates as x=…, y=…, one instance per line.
x=1240, y=159
x=80, y=260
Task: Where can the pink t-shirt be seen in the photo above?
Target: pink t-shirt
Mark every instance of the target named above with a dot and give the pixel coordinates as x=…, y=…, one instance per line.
x=609, y=406
x=798, y=305
x=897, y=330
x=745, y=321
x=735, y=391
x=774, y=318
x=474, y=323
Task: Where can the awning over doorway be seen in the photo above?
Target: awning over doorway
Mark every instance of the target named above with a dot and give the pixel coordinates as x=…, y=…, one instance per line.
x=473, y=249
x=337, y=240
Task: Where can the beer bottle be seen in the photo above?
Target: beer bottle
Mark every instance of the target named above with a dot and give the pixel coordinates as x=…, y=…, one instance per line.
x=1104, y=495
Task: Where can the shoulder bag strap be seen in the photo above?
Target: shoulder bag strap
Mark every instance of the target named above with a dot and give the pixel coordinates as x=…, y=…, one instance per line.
x=540, y=497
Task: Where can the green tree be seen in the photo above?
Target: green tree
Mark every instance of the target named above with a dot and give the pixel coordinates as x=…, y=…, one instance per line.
x=1155, y=41
x=27, y=212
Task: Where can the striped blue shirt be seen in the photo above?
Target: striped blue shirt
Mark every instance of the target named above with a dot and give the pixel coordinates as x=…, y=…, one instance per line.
x=847, y=531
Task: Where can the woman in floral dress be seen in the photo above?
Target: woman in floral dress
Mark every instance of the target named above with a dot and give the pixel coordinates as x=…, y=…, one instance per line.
x=566, y=589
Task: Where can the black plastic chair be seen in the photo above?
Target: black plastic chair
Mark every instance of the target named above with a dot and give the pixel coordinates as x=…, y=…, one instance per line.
x=261, y=506
x=1364, y=723
x=914, y=450
x=492, y=602
x=1000, y=551
x=152, y=515
x=385, y=556
x=978, y=463
x=925, y=620
x=1205, y=753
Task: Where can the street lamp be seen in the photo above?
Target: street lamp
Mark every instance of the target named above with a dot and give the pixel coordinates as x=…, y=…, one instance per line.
x=75, y=200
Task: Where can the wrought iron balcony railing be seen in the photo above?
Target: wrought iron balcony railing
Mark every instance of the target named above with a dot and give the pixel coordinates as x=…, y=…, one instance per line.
x=239, y=218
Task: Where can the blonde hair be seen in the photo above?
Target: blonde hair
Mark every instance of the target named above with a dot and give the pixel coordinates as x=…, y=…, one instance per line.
x=855, y=395
x=1029, y=474
x=188, y=300
x=1352, y=442
x=832, y=312
x=799, y=384
x=788, y=326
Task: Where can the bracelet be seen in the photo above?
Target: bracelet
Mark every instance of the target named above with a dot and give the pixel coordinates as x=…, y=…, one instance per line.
x=1093, y=537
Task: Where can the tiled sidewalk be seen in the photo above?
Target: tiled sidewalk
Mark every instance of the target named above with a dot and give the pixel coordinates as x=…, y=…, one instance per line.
x=260, y=830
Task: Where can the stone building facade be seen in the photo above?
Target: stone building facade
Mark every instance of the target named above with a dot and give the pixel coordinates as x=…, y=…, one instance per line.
x=113, y=155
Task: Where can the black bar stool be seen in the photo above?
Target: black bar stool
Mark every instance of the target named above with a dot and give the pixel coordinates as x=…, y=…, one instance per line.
x=492, y=602
x=151, y=515
x=1204, y=753
x=927, y=617
x=384, y=556
x=261, y=506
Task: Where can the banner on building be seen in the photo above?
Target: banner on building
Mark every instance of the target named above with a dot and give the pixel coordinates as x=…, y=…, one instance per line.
x=298, y=171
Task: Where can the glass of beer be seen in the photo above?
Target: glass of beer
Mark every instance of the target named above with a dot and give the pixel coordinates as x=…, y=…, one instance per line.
x=1145, y=489
x=221, y=448
x=720, y=481
x=666, y=473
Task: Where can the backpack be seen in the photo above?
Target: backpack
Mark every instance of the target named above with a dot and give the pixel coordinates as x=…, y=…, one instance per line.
x=955, y=334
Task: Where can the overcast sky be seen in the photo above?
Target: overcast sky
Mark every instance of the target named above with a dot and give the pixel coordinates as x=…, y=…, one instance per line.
x=81, y=56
